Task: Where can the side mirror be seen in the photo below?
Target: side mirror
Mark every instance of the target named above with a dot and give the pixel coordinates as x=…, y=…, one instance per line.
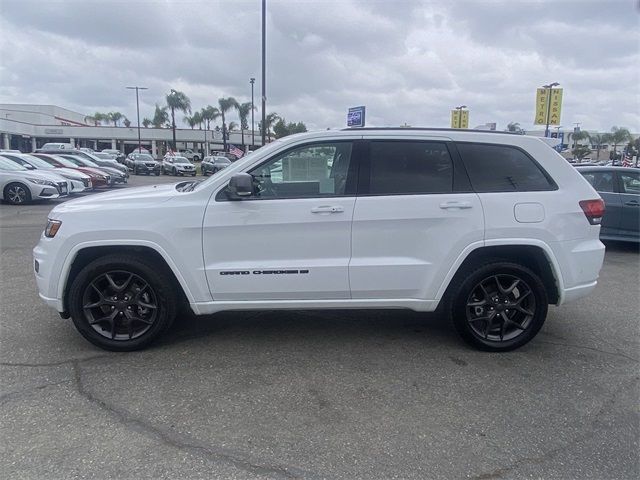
x=240, y=186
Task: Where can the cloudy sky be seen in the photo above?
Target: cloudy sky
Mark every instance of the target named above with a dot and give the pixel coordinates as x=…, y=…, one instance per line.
x=407, y=61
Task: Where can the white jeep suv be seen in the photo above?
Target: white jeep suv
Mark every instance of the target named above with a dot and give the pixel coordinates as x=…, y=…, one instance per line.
x=487, y=227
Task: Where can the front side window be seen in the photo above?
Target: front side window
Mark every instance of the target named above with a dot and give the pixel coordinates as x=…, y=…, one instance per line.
x=630, y=182
x=502, y=168
x=410, y=167
x=315, y=170
x=600, y=181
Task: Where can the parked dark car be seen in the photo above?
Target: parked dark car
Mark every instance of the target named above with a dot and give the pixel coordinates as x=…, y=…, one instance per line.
x=213, y=164
x=619, y=187
x=140, y=163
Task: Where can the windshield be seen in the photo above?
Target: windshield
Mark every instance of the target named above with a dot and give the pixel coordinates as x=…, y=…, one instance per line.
x=8, y=165
x=143, y=157
x=103, y=156
x=180, y=160
x=221, y=160
x=80, y=162
x=65, y=162
x=37, y=162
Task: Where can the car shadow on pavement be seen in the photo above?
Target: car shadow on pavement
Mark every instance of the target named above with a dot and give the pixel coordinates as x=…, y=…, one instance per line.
x=614, y=246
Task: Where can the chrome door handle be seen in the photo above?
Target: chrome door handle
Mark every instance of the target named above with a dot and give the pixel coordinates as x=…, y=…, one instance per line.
x=632, y=203
x=327, y=209
x=461, y=205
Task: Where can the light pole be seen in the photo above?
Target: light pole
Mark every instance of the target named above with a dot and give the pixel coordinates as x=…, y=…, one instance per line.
x=548, y=88
x=264, y=68
x=138, y=113
x=253, y=133
x=460, y=108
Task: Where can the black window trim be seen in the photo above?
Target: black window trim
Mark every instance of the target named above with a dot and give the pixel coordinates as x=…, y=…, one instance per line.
x=351, y=185
x=460, y=180
x=553, y=185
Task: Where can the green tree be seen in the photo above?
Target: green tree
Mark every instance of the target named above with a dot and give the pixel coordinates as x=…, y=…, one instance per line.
x=177, y=101
x=598, y=140
x=97, y=118
x=233, y=126
x=282, y=128
x=225, y=105
x=619, y=135
x=244, y=110
x=269, y=122
x=189, y=121
x=577, y=137
x=197, y=119
x=146, y=123
x=515, y=128
x=127, y=122
x=115, y=117
x=160, y=117
x=581, y=151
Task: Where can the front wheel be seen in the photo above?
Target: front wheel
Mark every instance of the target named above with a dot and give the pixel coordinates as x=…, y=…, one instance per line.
x=17, y=193
x=121, y=302
x=196, y=158
x=174, y=172
x=498, y=306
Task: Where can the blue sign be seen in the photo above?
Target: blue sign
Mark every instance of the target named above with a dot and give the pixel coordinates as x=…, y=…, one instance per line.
x=355, y=117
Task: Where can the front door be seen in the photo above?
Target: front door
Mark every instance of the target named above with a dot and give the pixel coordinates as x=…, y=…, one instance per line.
x=630, y=199
x=291, y=240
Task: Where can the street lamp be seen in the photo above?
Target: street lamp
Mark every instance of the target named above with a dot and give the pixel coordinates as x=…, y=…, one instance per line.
x=548, y=88
x=264, y=68
x=253, y=133
x=138, y=113
x=460, y=108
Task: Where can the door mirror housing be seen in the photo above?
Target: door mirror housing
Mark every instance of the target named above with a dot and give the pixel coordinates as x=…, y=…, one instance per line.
x=240, y=186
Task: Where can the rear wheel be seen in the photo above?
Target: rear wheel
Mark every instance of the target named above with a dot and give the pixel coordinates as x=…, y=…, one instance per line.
x=135, y=170
x=17, y=193
x=498, y=306
x=121, y=302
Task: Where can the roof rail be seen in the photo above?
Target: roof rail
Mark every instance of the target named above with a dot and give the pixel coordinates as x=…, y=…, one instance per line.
x=430, y=129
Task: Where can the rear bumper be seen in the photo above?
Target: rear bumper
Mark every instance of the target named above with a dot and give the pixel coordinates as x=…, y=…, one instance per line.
x=580, y=262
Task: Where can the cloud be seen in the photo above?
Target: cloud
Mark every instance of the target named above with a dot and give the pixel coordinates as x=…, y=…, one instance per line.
x=407, y=61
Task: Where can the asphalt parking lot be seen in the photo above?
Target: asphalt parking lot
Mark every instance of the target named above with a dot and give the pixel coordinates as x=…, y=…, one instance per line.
x=340, y=394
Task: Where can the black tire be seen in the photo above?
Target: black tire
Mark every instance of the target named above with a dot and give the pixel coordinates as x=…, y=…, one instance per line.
x=135, y=170
x=488, y=318
x=17, y=193
x=174, y=172
x=157, y=173
x=119, y=320
x=196, y=158
x=193, y=174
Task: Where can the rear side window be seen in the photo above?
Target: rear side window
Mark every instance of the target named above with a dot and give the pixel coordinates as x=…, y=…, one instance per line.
x=410, y=167
x=600, y=181
x=502, y=168
x=630, y=182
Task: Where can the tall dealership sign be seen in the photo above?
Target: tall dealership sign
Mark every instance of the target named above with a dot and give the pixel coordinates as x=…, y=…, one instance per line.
x=459, y=118
x=548, y=106
x=355, y=117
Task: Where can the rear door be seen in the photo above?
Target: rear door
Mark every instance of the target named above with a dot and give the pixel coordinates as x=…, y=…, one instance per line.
x=630, y=200
x=413, y=217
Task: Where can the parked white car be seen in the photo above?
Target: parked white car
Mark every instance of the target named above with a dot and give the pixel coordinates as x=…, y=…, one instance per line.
x=177, y=165
x=19, y=185
x=192, y=155
x=488, y=227
x=58, y=146
x=77, y=181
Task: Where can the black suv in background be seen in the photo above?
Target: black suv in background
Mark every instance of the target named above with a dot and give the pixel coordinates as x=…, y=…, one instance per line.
x=140, y=163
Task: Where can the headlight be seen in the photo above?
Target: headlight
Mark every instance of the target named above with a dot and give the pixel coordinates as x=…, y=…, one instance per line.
x=52, y=228
x=41, y=182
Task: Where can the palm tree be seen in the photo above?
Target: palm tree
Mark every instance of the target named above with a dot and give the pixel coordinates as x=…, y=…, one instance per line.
x=189, y=121
x=209, y=114
x=514, y=127
x=617, y=136
x=146, y=122
x=225, y=105
x=269, y=121
x=127, y=122
x=177, y=101
x=244, y=109
x=115, y=117
x=197, y=119
x=160, y=117
x=577, y=137
x=598, y=140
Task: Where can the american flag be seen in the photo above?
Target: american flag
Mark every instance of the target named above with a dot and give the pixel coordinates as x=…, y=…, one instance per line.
x=626, y=160
x=235, y=151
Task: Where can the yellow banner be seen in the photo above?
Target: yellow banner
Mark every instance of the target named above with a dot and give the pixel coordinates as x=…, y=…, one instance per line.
x=459, y=118
x=548, y=108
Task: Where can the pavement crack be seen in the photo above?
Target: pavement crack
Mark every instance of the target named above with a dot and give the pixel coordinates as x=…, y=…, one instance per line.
x=182, y=442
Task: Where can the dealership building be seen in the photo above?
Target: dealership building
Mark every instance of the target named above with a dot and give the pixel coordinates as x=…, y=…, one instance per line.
x=28, y=127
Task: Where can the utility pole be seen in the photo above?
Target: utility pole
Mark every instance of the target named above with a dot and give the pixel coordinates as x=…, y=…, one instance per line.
x=253, y=130
x=138, y=114
x=264, y=68
x=548, y=88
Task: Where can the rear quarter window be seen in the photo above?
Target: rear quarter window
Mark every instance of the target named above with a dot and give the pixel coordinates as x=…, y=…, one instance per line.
x=502, y=168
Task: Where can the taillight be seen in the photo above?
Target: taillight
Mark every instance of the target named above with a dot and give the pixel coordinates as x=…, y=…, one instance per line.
x=593, y=210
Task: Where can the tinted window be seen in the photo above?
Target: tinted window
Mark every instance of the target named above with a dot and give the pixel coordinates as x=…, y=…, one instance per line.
x=410, y=167
x=315, y=170
x=630, y=182
x=601, y=181
x=500, y=168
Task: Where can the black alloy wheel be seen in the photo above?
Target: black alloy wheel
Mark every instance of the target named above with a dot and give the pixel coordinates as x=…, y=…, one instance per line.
x=17, y=194
x=498, y=306
x=122, y=302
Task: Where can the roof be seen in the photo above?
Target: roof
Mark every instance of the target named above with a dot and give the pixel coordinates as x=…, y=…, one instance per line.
x=603, y=168
x=428, y=129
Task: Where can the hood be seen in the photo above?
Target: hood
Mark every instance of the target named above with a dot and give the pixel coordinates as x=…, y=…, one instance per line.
x=114, y=172
x=120, y=199
x=44, y=175
x=71, y=173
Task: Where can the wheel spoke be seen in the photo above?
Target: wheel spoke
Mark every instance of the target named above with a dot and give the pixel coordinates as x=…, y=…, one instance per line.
x=115, y=286
x=524, y=310
x=479, y=303
x=498, y=284
x=135, y=318
x=489, y=325
x=142, y=304
x=522, y=297
x=513, y=285
x=107, y=318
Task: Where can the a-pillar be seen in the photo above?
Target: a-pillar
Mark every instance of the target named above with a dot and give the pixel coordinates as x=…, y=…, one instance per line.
x=5, y=141
x=154, y=149
x=34, y=145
